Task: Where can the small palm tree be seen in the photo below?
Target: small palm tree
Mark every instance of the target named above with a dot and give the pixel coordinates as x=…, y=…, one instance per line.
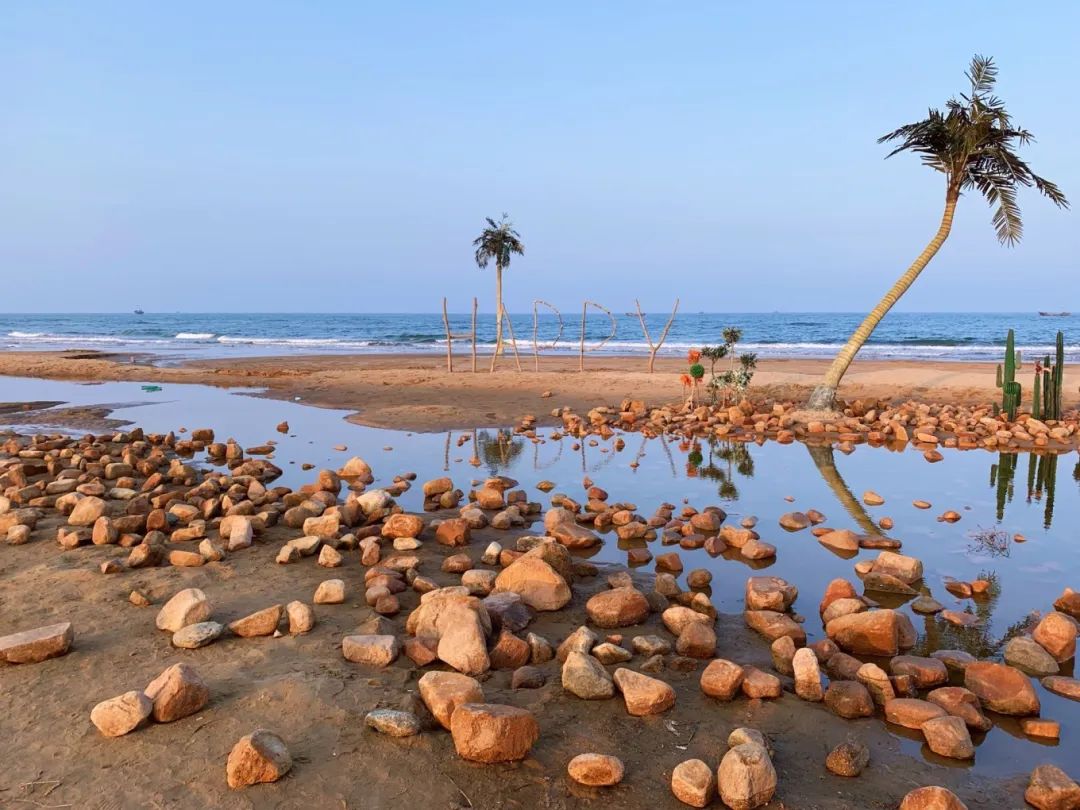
x=973, y=144
x=498, y=241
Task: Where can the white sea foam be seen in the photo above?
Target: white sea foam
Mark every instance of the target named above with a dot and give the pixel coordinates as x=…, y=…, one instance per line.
x=194, y=336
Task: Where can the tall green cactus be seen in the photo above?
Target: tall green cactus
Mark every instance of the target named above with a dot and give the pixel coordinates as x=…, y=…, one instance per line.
x=1006, y=379
x=1037, y=396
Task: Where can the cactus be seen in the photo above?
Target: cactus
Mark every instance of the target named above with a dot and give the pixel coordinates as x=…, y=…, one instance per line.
x=1036, y=395
x=1012, y=396
x=1058, y=376
x=997, y=380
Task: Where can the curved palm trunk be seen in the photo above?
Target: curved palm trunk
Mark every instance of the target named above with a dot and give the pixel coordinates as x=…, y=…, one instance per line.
x=825, y=461
x=824, y=395
x=498, y=315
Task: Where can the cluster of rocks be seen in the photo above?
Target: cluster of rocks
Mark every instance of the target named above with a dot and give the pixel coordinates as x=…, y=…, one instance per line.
x=745, y=777
x=926, y=425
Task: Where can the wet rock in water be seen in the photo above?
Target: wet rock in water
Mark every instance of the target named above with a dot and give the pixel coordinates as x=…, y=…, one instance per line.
x=927, y=605
x=177, y=692
x=926, y=672
x=643, y=695
x=1056, y=633
x=261, y=756
x=877, y=683
x=585, y=677
x=794, y=521
x=759, y=684
x=842, y=607
x=1060, y=685
x=444, y=692
x=932, y=798
x=954, y=660
x=693, y=783
x=189, y=606
x=393, y=723
x=596, y=770
x=330, y=592
x=261, y=623
x=40, y=644
x=948, y=737
x=1002, y=688
x=843, y=541
x=911, y=712
x=487, y=732
x=874, y=632
x=843, y=667
x=746, y=778
x=1041, y=727
x=1069, y=603
x=372, y=650
x=197, y=635
x=908, y=570
x=722, y=679
x=528, y=677
x=618, y=607
x=849, y=699
x=301, y=617
x=871, y=498
x=1050, y=788
x=807, y=675
x=772, y=625
x=122, y=714
x=836, y=589
x=1024, y=653
x=848, y=759
x=962, y=703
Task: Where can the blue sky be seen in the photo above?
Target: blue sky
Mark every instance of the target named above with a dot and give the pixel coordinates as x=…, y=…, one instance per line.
x=341, y=156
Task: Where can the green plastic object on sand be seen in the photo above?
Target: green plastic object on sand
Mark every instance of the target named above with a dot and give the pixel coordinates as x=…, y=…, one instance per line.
x=151, y=388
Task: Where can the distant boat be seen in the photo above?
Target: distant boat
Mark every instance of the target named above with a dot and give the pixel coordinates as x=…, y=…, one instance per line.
x=140, y=312
x=1055, y=314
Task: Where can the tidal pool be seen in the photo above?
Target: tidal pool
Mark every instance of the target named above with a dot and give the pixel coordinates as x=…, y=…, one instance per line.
x=1018, y=527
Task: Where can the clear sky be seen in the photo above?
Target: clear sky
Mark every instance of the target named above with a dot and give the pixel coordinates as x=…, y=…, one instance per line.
x=341, y=156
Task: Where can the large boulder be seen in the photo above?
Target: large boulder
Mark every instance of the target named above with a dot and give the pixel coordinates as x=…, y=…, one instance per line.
x=875, y=632
x=444, y=692
x=618, y=607
x=540, y=586
x=189, y=606
x=1002, y=688
x=746, y=777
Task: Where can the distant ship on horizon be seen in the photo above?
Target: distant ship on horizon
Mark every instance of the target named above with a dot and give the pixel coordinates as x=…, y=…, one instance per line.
x=1055, y=314
x=140, y=312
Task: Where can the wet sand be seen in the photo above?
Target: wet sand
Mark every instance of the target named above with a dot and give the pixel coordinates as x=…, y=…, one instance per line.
x=415, y=392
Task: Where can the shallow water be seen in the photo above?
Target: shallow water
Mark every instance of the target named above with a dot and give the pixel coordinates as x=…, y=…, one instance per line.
x=989, y=490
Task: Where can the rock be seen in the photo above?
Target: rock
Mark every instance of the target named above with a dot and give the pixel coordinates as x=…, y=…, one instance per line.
x=643, y=695
x=584, y=677
x=843, y=541
x=962, y=703
x=596, y=770
x=1069, y=603
x=721, y=679
x=906, y=569
x=1060, y=685
x=925, y=672
x=1050, y=788
x=258, y=757
x=697, y=640
x=528, y=677
x=176, y=693
x=540, y=586
x=911, y=712
x=330, y=592
x=402, y=525
x=122, y=714
x=794, y=521
x=948, y=737
x=509, y=652
x=932, y=798
x=877, y=682
x=783, y=654
x=849, y=699
x=1001, y=688
x=241, y=534
x=261, y=623
x=693, y=783
x=1024, y=653
x=769, y=593
x=488, y=732
x=926, y=605
x=194, y=636
x=677, y=618
x=358, y=469
x=618, y=607
x=746, y=777
x=874, y=632
x=848, y=759
x=444, y=692
x=301, y=617
x=608, y=653
x=372, y=650
x=87, y=511
x=1041, y=727
x=453, y=532
x=758, y=684
x=330, y=557
x=807, y=675
x=1056, y=633
x=745, y=734
x=189, y=606
x=393, y=723
x=40, y=644
x=651, y=645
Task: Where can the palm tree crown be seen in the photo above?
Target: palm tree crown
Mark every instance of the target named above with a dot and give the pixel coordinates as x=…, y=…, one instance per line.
x=973, y=143
x=498, y=241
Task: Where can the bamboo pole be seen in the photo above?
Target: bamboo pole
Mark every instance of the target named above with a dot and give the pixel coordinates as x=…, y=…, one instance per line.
x=449, y=339
x=581, y=356
x=663, y=335
x=614, y=328
x=513, y=342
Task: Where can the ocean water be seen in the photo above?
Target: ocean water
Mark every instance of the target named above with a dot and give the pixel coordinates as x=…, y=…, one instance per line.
x=932, y=336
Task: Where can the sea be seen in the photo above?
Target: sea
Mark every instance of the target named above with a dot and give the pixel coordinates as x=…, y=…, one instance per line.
x=957, y=336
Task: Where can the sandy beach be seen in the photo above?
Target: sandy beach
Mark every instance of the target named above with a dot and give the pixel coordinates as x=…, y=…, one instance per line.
x=415, y=392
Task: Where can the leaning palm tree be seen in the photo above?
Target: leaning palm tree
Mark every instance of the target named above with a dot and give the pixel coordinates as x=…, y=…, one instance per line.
x=498, y=241
x=973, y=144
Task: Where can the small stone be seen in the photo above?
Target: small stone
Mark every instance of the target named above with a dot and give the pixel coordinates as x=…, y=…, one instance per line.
x=330, y=592
x=189, y=606
x=1050, y=788
x=585, y=677
x=807, y=675
x=372, y=650
x=40, y=644
x=759, y=684
x=948, y=737
x=261, y=756
x=122, y=714
x=596, y=770
x=528, y=677
x=393, y=723
x=444, y=692
x=177, y=692
x=722, y=679
x=643, y=695
x=487, y=732
x=848, y=759
x=301, y=617
x=261, y=623
x=197, y=635
x=693, y=783
x=1026, y=654
x=746, y=777
x=932, y=798
x=911, y=712
x=849, y=699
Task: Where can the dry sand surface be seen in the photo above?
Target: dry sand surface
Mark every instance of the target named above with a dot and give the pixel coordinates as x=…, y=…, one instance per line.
x=303, y=689
x=415, y=392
